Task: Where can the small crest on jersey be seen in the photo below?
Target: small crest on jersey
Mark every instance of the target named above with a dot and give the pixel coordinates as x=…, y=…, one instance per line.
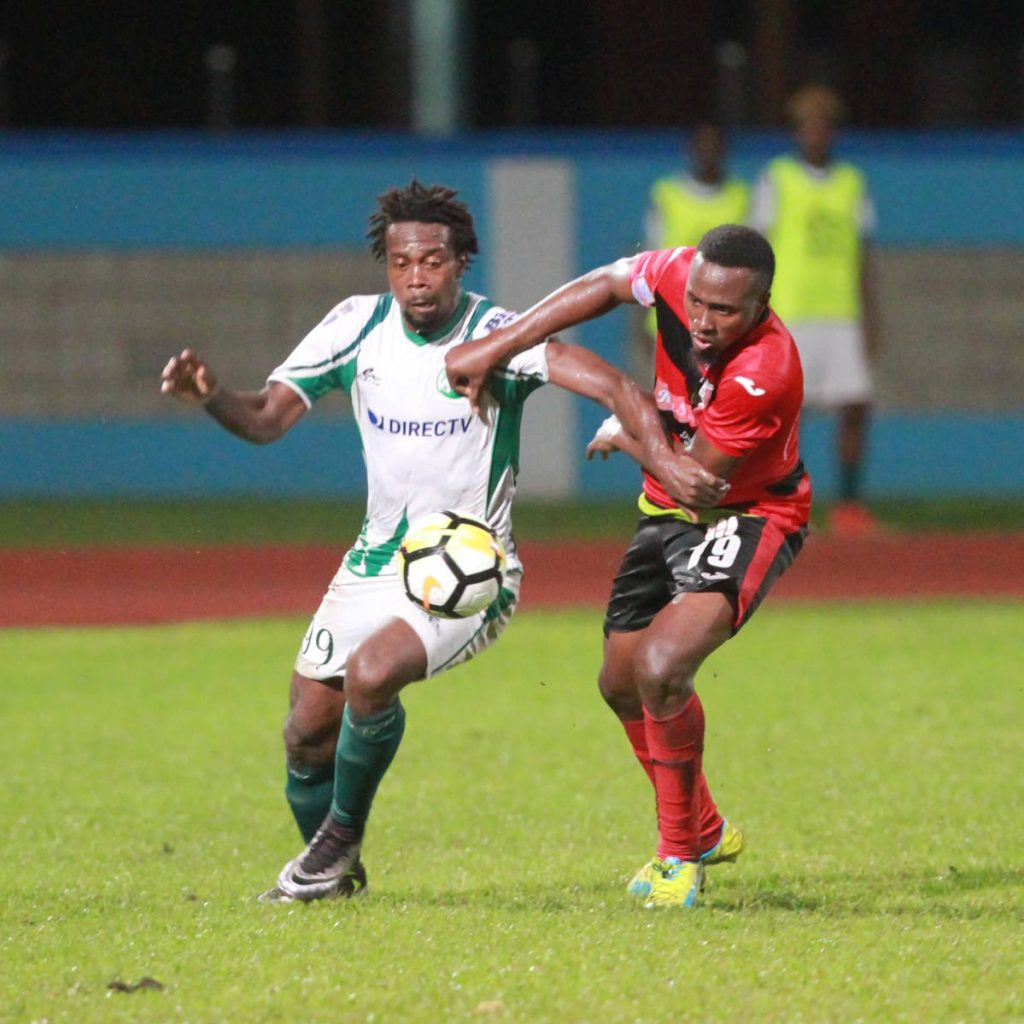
x=444, y=387
x=707, y=389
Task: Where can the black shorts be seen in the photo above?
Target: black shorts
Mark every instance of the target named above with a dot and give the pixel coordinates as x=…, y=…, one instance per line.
x=739, y=556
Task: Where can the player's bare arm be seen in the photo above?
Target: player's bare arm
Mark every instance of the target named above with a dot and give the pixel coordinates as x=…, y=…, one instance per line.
x=256, y=416
x=584, y=373
x=589, y=296
x=711, y=458
x=869, y=303
x=611, y=437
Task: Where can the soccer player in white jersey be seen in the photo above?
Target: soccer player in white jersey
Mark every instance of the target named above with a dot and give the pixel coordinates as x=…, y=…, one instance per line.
x=425, y=450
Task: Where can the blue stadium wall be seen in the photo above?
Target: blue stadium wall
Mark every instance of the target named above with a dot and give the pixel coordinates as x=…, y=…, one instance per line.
x=195, y=193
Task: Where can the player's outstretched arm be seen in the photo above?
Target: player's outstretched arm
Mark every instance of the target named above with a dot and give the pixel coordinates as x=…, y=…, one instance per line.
x=587, y=297
x=256, y=416
x=641, y=432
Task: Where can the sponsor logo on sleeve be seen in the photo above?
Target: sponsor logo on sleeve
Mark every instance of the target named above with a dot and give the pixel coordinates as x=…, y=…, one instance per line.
x=642, y=292
x=499, y=319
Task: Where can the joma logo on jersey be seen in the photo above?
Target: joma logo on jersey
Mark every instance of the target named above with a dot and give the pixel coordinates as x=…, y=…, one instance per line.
x=420, y=428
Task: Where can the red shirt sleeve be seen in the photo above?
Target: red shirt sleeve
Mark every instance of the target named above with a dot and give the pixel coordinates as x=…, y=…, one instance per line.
x=650, y=268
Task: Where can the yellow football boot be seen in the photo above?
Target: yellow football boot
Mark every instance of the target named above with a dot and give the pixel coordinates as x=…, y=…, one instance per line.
x=728, y=848
x=675, y=883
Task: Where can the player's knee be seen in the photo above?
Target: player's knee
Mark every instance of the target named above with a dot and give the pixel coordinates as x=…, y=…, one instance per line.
x=370, y=683
x=310, y=744
x=620, y=696
x=662, y=674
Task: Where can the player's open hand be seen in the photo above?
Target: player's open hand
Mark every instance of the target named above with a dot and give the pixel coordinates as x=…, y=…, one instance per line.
x=188, y=377
x=607, y=439
x=467, y=367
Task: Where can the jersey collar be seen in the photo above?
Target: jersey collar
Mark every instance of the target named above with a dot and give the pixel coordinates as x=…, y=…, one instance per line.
x=445, y=329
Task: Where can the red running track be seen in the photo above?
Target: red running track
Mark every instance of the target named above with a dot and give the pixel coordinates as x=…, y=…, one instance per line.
x=99, y=586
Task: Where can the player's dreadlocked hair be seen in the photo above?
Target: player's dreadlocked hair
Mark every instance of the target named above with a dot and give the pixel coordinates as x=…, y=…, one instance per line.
x=733, y=245
x=427, y=204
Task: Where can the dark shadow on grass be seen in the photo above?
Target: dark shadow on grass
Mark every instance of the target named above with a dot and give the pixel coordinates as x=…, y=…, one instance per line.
x=950, y=894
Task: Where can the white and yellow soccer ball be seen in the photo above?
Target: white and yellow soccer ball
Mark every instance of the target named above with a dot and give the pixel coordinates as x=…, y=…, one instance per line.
x=452, y=564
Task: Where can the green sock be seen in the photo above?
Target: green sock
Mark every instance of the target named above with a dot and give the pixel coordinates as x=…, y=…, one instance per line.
x=366, y=747
x=309, y=792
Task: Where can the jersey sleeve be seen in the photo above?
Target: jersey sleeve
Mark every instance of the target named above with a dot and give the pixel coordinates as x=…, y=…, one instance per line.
x=744, y=414
x=649, y=269
x=325, y=359
x=867, y=216
x=524, y=372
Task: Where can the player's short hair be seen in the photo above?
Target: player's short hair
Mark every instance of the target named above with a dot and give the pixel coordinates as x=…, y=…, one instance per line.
x=424, y=204
x=815, y=101
x=735, y=245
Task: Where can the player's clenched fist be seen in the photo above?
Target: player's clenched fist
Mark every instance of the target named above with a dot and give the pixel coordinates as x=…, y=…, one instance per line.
x=186, y=376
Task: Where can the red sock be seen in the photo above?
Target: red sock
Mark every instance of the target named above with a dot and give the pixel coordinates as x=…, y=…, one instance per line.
x=711, y=821
x=676, y=745
x=637, y=733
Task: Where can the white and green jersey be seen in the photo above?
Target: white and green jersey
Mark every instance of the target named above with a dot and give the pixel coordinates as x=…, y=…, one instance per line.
x=424, y=448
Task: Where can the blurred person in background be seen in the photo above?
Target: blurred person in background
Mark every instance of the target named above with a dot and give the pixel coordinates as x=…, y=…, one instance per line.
x=819, y=217
x=683, y=207
x=686, y=206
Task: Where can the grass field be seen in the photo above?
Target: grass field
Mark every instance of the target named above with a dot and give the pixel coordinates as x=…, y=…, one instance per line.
x=872, y=752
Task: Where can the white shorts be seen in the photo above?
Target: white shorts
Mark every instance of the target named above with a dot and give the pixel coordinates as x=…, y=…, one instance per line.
x=354, y=607
x=835, y=362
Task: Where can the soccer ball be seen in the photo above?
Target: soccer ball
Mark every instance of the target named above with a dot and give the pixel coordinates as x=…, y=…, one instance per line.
x=452, y=564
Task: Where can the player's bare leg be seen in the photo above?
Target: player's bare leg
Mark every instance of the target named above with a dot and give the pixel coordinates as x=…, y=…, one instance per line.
x=720, y=841
x=664, y=659
x=372, y=726
x=310, y=741
x=850, y=517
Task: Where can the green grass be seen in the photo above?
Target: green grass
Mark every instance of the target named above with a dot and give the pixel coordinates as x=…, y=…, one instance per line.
x=872, y=753
x=110, y=521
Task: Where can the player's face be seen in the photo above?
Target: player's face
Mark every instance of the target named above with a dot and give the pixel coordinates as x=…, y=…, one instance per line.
x=722, y=304
x=708, y=153
x=423, y=272
x=815, y=135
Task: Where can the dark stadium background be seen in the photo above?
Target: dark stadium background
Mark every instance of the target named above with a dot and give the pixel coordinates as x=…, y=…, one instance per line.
x=124, y=64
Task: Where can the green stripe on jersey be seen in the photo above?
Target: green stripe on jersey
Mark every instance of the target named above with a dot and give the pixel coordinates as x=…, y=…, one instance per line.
x=483, y=307
x=342, y=365
x=365, y=559
x=510, y=393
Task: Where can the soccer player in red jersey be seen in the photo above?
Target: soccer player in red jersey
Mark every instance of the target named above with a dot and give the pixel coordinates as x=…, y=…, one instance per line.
x=728, y=385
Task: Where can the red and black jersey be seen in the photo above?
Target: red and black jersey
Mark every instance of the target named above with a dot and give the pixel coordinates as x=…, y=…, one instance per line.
x=746, y=403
